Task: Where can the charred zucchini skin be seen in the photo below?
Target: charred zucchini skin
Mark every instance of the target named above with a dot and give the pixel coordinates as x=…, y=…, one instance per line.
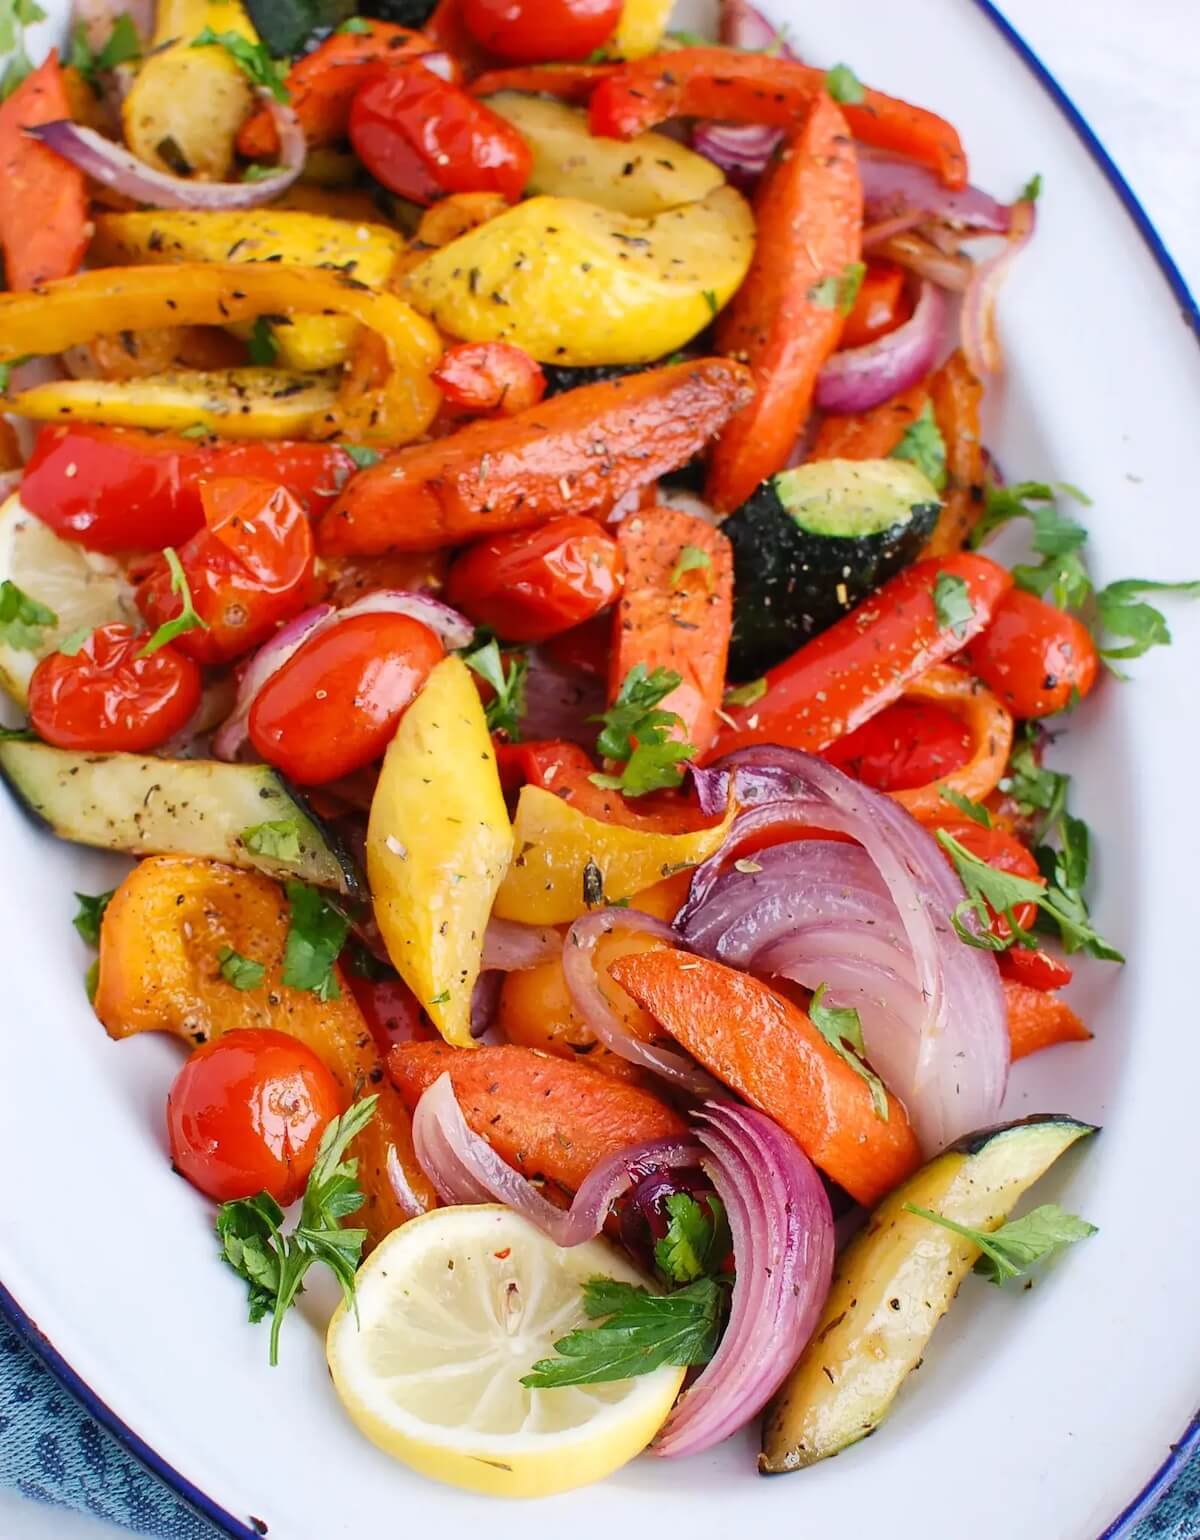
x=790, y=583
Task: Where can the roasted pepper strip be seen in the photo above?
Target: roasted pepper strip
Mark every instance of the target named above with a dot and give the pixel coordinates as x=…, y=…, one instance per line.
x=758, y=88
x=566, y=770
x=871, y=435
x=578, y=452
x=569, y=82
x=1039, y=1020
x=786, y=318
x=44, y=226
x=957, y=395
x=864, y=661
x=991, y=729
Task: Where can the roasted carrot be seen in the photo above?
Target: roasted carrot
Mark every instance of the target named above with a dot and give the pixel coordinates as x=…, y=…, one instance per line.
x=675, y=612
x=991, y=729
x=759, y=88
x=578, y=452
x=767, y=1050
x=957, y=395
x=44, y=226
x=569, y=82
x=787, y=317
x=323, y=84
x=1037, y=1019
x=864, y=661
x=546, y=1116
x=870, y=435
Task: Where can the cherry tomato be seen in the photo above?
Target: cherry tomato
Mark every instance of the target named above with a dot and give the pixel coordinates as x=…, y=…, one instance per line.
x=1035, y=657
x=538, y=31
x=391, y=1010
x=107, y=697
x=584, y=648
x=248, y=569
x=534, y=583
x=1030, y=965
x=246, y=1114
x=423, y=138
x=120, y=489
x=489, y=377
x=1005, y=853
x=908, y=744
x=333, y=706
x=881, y=306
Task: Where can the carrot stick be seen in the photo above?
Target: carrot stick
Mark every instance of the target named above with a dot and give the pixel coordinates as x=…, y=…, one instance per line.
x=576, y=453
x=547, y=1117
x=991, y=729
x=787, y=317
x=44, y=227
x=1038, y=1019
x=672, y=618
x=957, y=395
x=768, y=1051
x=871, y=435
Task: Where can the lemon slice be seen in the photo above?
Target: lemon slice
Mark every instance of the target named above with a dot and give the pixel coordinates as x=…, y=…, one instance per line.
x=83, y=588
x=454, y=1307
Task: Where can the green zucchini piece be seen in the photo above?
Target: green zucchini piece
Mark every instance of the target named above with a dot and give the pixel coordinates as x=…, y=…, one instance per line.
x=893, y=1284
x=191, y=807
x=288, y=26
x=813, y=542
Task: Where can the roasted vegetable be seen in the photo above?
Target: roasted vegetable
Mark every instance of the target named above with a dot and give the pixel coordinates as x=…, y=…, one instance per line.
x=813, y=542
x=640, y=30
x=285, y=26
x=43, y=198
x=641, y=178
x=572, y=283
x=894, y=1283
x=438, y=845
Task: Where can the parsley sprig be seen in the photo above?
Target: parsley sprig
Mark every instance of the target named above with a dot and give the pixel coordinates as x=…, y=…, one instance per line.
x=252, y=59
x=505, y=710
x=90, y=914
x=15, y=16
x=316, y=934
x=277, y=840
x=123, y=47
x=187, y=620
x=952, y=603
x=924, y=447
x=274, y=1264
x=1011, y=1251
x=636, y=732
x=22, y=619
x=841, y=1028
x=697, y=1239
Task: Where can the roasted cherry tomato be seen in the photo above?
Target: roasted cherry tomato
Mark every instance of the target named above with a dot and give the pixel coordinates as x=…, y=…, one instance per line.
x=246, y=1114
x=534, y=583
x=1030, y=965
x=584, y=648
x=537, y=31
x=334, y=705
x=1035, y=657
x=248, y=569
x=105, y=696
x=120, y=489
x=391, y=1010
x=423, y=138
x=1005, y=853
x=908, y=744
x=881, y=306
x=483, y=377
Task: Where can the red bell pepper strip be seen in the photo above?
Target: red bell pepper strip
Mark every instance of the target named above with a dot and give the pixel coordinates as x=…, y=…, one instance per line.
x=1032, y=966
x=864, y=661
x=580, y=452
x=870, y=435
x=1039, y=1020
x=758, y=88
x=447, y=29
x=44, y=226
x=881, y=306
x=566, y=770
x=569, y=82
x=786, y=318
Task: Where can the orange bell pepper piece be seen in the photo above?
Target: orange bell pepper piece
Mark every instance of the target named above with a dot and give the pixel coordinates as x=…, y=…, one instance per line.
x=1037, y=1019
x=957, y=396
x=569, y=82
x=871, y=435
x=44, y=226
x=991, y=729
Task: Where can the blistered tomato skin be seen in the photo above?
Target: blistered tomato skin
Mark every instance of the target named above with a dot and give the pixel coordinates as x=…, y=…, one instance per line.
x=538, y=31
x=246, y=1113
x=1036, y=658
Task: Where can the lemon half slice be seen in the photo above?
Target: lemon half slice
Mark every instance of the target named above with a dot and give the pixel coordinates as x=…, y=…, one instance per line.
x=454, y=1307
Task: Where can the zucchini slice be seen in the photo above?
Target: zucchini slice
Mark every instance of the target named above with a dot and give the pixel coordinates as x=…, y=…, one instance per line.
x=812, y=543
x=894, y=1283
x=193, y=807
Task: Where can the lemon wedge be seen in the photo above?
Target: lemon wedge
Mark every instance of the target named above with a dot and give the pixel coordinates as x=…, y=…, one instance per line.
x=454, y=1307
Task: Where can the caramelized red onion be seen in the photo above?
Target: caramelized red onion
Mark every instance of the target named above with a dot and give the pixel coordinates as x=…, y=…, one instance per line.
x=892, y=186
x=742, y=25
x=743, y=150
x=857, y=379
x=980, y=344
x=559, y=702
x=511, y=947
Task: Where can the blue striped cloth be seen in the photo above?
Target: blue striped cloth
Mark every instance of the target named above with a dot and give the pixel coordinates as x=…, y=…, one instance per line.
x=51, y=1450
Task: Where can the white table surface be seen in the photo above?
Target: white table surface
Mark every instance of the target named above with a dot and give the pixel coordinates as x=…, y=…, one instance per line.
x=1131, y=68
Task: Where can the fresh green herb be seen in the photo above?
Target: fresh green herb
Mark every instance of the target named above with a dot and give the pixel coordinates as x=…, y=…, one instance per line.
x=197, y=430
x=442, y=998
x=187, y=619
x=747, y=694
x=1033, y=787
x=1011, y=1251
x=274, y=1264
x=241, y=972
x=363, y=455
x=842, y=1030
x=15, y=16
x=75, y=641
x=952, y=603
x=17, y=735
x=261, y=345
x=691, y=559
x=123, y=46
x=975, y=811
x=357, y=24
x=316, y=934
x=838, y=292
x=684, y=39
x=636, y=732
x=251, y=58
x=507, y=707
x=90, y=913
x=711, y=296
x=844, y=86
x=256, y=173
x=1065, y=869
x=697, y=1239
x=23, y=621
x=641, y=1332
x=91, y=980
x=1032, y=190
x=1120, y=612
x=924, y=447
x=278, y=840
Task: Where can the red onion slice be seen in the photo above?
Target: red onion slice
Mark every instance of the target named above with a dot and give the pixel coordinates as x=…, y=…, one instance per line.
x=742, y=25
x=892, y=186
x=579, y=969
x=233, y=735
x=783, y=1245
x=455, y=630
x=512, y=947
x=742, y=150
x=559, y=702
x=110, y=163
x=859, y=378
x=977, y=324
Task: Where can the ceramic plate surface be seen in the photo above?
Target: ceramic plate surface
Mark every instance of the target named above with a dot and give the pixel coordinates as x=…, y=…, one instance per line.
x=1041, y=1413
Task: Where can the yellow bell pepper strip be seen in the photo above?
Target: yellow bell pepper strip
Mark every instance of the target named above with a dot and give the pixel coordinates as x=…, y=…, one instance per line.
x=640, y=29
x=438, y=845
